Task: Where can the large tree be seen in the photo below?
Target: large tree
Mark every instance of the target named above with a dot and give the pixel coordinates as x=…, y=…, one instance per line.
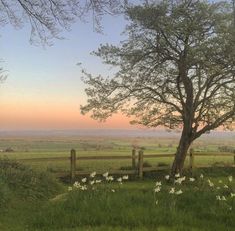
x=175, y=69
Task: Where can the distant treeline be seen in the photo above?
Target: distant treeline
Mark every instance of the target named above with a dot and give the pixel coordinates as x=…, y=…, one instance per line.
x=226, y=149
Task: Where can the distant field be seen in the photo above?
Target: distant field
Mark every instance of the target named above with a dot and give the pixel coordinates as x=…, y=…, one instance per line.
x=35, y=147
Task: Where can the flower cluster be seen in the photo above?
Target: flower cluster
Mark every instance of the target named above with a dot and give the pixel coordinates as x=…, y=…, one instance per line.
x=227, y=190
x=223, y=190
x=89, y=183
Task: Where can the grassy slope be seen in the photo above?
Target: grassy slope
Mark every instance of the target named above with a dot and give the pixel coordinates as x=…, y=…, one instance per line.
x=21, y=190
x=131, y=207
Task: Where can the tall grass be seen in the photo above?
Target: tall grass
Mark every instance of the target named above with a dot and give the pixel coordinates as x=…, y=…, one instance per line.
x=133, y=206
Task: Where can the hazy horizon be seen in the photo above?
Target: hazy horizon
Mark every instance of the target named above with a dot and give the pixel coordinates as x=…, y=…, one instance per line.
x=141, y=132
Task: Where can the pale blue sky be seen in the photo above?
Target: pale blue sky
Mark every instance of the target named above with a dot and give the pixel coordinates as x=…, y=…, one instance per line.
x=45, y=76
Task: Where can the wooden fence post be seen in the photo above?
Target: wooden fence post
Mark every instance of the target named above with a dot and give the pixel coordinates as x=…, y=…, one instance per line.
x=191, y=160
x=140, y=165
x=133, y=158
x=72, y=165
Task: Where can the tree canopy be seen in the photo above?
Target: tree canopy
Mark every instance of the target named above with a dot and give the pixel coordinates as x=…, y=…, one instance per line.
x=176, y=69
x=2, y=75
x=48, y=17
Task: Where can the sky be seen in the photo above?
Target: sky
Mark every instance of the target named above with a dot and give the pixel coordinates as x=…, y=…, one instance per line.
x=44, y=88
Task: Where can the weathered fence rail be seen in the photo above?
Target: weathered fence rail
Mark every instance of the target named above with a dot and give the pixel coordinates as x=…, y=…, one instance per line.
x=137, y=161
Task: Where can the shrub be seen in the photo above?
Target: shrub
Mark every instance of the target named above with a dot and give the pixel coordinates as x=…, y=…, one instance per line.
x=162, y=164
x=146, y=164
x=226, y=149
x=126, y=168
x=26, y=182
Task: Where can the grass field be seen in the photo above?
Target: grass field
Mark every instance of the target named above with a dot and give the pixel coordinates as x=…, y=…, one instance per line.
x=32, y=199
x=25, y=147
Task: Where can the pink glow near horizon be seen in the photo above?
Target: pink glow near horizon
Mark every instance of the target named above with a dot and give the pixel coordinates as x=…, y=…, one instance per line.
x=49, y=116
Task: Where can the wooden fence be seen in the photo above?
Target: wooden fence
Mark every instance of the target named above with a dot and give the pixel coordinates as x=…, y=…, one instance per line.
x=137, y=161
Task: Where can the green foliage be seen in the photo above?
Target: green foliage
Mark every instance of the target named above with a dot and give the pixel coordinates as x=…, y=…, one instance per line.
x=146, y=164
x=161, y=164
x=25, y=183
x=132, y=206
x=225, y=148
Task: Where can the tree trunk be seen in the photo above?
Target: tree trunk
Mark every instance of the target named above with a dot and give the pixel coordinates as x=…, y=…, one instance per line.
x=181, y=153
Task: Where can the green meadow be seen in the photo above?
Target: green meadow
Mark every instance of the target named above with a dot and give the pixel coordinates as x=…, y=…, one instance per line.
x=38, y=147
x=31, y=198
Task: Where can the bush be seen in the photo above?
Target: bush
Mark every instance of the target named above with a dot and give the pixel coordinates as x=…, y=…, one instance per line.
x=162, y=164
x=126, y=168
x=146, y=164
x=226, y=149
x=25, y=182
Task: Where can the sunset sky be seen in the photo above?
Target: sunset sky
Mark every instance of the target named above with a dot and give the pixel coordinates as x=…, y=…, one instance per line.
x=44, y=88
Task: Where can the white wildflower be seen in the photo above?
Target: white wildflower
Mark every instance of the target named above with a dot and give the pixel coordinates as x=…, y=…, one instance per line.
x=179, y=192
x=223, y=198
x=83, y=188
x=180, y=180
x=225, y=186
x=126, y=177
x=211, y=184
x=105, y=174
x=70, y=188
x=93, y=174
x=191, y=179
x=218, y=187
x=220, y=181
x=167, y=177
x=119, y=179
x=76, y=184
x=112, y=190
x=157, y=189
x=230, y=178
x=172, y=191
x=92, y=182
x=232, y=195
x=98, y=181
x=218, y=198
x=201, y=176
x=109, y=178
x=158, y=183
x=84, y=180
x=156, y=202
x=177, y=175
